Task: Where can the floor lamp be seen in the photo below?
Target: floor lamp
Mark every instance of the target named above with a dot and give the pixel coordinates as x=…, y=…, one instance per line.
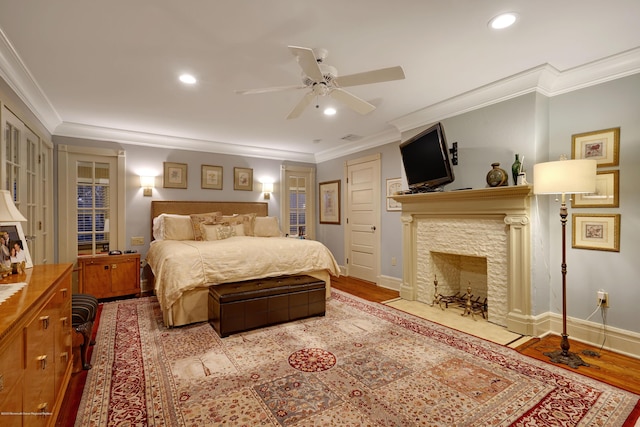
x=565, y=177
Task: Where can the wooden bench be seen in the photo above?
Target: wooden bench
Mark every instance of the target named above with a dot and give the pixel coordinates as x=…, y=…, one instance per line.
x=241, y=306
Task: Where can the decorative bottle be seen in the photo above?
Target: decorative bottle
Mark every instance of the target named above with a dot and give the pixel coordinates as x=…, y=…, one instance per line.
x=515, y=169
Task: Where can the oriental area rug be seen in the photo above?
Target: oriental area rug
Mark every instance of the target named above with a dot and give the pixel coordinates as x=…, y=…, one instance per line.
x=363, y=364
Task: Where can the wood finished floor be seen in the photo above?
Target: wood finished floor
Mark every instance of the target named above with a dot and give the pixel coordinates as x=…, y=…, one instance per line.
x=612, y=368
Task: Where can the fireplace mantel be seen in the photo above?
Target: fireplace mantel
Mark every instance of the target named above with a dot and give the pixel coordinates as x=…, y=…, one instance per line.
x=503, y=205
x=499, y=200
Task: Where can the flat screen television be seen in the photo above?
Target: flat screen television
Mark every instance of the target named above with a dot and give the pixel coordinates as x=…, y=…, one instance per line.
x=426, y=160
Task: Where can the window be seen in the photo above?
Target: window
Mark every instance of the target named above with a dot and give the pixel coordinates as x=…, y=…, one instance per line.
x=93, y=189
x=297, y=206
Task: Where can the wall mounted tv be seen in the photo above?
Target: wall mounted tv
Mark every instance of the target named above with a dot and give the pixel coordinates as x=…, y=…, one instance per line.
x=426, y=160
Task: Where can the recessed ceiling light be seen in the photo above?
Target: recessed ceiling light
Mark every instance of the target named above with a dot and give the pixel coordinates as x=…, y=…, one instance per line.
x=187, y=79
x=503, y=20
x=329, y=111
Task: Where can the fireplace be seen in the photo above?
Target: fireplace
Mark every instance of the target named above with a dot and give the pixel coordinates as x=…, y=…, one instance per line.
x=478, y=238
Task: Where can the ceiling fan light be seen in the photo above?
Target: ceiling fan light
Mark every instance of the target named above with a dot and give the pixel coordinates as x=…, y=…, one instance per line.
x=503, y=20
x=187, y=79
x=329, y=111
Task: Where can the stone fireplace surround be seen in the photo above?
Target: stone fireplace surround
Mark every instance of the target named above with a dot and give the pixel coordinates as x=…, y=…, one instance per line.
x=491, y=223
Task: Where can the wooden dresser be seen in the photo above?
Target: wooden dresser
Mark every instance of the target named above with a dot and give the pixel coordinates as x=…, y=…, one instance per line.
x=35, y=346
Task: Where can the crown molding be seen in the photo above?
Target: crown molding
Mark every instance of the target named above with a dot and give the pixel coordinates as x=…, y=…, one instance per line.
x=19, y=79
x=544, y=79
x=77, y=130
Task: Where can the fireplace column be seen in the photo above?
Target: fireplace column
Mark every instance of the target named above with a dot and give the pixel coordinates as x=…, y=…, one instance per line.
x=519, y=318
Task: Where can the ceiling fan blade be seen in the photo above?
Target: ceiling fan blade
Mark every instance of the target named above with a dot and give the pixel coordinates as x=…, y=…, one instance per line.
x=299, y=108
x=352, y=101
x=269, y=89
x=308, y=63
x=367, y=77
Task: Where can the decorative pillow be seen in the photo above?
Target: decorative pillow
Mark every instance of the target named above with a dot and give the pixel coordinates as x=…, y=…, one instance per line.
x=210, y=231
x=247, y=220
x=197, y=219
x=266, y=226
x=177, y=227
x=225, y=231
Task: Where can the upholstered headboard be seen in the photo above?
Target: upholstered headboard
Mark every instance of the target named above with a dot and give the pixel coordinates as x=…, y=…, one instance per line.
x=192, y=207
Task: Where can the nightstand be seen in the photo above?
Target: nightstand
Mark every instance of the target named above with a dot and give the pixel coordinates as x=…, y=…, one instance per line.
x=107, y=276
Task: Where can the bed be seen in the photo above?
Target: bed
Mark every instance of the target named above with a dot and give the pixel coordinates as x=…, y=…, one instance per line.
x=181, y=266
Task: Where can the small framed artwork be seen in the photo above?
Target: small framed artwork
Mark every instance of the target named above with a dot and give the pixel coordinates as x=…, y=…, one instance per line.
x=394, y=185
x=596, y=231
x=606, y=194
x=601, y=145
x=13, y=248
x=330, y=202
x=243, y=179
x=175, y=175
x=211, y=177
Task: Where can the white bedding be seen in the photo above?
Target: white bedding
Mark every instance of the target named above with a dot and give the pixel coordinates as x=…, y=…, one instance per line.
x=180, y=266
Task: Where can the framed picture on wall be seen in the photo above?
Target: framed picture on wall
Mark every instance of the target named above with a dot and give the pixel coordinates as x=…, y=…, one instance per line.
x=394, y=185
x=211, y=177
x=14, y=247
x=601, y=145
x=330, y=202
x=175, y=175
x=243, y=179
x=606, y=194
x=596, y=231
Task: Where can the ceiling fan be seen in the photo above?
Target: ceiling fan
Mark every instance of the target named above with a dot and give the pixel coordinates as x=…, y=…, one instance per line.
x=323, y=80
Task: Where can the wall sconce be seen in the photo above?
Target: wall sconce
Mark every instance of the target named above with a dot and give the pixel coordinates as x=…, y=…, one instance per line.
x=147, y=183
x=267, y=189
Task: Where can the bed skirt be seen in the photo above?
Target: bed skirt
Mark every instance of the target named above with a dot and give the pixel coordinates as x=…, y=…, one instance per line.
x=193, y=306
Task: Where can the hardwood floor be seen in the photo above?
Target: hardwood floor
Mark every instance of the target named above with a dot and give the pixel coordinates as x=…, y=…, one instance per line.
x=365, y=290
x=612, y=368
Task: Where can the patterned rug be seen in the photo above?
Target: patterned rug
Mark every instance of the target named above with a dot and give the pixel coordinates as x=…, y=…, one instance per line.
x=363, y=364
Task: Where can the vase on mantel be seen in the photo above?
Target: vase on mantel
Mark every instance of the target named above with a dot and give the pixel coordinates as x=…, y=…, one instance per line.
x=515, y=169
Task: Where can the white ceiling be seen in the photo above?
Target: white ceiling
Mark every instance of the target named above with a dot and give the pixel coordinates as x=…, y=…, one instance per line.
x=108, y=69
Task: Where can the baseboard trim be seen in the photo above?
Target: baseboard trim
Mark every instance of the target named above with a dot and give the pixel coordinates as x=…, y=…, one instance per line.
x=617, y=340
x=389, y=282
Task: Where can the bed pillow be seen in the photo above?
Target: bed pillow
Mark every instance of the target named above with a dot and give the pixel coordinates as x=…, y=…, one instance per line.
x=247, y=220
x=207, y=218
x=177, y=227
x=210, y=231
x=266, y=226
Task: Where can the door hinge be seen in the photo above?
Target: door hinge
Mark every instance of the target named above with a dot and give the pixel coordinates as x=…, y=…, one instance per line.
x=347, y=260
x=347, y=220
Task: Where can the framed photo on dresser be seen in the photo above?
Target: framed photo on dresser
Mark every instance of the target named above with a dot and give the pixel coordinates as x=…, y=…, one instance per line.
x=14, y=248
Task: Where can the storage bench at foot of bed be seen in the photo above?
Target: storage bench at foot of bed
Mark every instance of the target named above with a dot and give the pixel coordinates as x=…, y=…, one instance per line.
x=240, y=306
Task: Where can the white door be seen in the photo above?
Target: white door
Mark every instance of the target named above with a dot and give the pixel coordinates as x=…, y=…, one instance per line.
x=27, y=174
x=363, y=218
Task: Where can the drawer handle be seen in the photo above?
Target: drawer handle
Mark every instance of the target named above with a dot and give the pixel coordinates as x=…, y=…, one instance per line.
x=64, y=356
x=64, y=321
x=42, y=408
x=45, y=321
x=64, y=292
x=43, y=361
x=114, y=266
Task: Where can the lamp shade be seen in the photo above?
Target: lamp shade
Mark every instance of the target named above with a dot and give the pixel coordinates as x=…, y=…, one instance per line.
x=147, y=181
x=267, y=187
x=565, y=177
x=8, y=210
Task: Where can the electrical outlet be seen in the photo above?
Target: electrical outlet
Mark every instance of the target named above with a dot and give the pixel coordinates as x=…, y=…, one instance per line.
x=603, y=299
x=137, y=241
